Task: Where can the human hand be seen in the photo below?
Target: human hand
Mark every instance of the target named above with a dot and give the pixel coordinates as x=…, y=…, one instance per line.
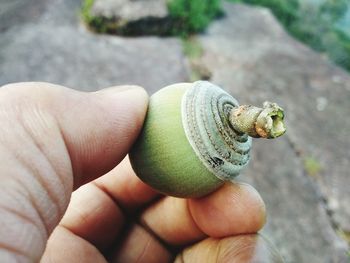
x=55, y=140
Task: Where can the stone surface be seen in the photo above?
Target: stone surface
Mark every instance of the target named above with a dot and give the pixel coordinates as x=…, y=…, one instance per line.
x=131, y=17
x=56, y=48
x=250, y=55
x=130, y=10
x=15, y=12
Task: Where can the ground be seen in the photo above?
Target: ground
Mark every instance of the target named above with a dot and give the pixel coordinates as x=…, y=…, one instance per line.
x=303, y=176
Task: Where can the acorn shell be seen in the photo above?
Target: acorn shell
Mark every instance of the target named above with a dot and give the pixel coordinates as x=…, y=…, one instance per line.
x=171, y=154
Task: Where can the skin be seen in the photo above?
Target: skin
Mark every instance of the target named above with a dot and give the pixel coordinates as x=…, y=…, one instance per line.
x=67, y=195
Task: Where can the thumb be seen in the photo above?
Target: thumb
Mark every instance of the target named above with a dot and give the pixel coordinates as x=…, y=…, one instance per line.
x=99, y=128
x=52, y=140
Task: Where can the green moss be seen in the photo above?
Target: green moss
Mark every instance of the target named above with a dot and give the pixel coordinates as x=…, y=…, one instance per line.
x=312, y=166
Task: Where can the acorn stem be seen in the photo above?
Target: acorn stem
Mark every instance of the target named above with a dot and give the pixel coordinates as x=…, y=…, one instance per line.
x=266, y=122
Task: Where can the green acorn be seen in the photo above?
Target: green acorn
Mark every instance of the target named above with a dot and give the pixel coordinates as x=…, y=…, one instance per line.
x=196, y=137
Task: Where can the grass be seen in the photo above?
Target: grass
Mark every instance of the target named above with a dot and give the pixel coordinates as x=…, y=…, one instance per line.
x=85, y=10
x=97, y=24
x=192, y=47
x=192, y=16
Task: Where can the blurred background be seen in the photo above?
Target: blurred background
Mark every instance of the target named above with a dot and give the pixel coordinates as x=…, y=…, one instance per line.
x=295, y=52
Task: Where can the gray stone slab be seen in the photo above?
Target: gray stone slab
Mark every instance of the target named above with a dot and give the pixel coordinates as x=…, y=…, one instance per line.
x=250, y=55
x=14, y=12
x=130, y=10
x=297, y=223
x=57, y=48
